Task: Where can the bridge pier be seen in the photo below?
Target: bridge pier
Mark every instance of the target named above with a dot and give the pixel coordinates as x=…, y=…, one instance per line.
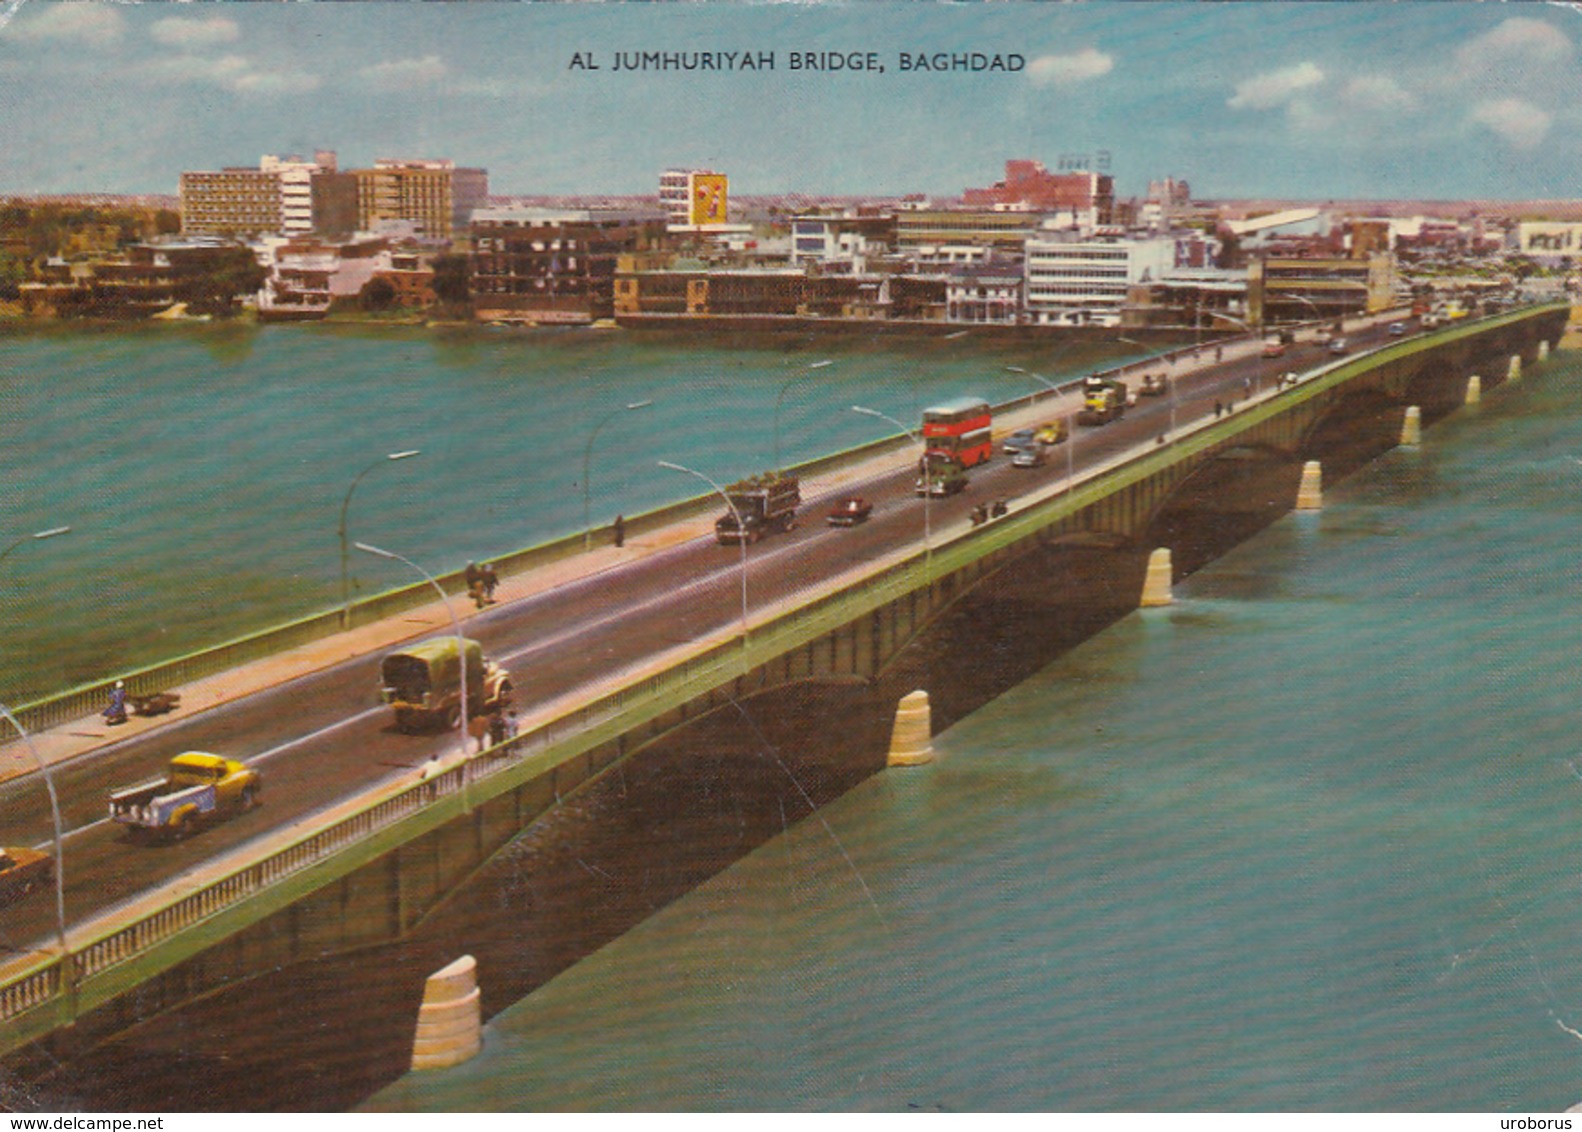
x=1543, y=349
x=1514, y=373
x=911, y=741
x=1474, y=390
x=450, y=1021
x=1156, y=586
x=1310, y=494
x=1412, y=426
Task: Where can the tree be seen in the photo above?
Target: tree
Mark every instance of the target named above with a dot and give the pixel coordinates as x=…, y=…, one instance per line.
x=378, y=294
x=451, y=284
x=234, y=272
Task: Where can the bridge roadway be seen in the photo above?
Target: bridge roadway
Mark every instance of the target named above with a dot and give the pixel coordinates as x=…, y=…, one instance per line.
x=321, y=737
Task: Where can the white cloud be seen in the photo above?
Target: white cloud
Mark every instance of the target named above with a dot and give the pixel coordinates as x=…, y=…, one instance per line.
x=399, y=74
x=1517, y=42
x=182, y=31
x=95, y=24
x=230, y=72
x=1377, y=94
x=1519, y=122
x=1274, y=88
x=1089, y=63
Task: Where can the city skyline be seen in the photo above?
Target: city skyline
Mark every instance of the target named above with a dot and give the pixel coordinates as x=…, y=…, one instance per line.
x=1288, y=100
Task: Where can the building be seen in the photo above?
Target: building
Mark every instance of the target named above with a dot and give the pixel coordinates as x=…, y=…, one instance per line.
x=985, y=293
x=236, y=201
x=692, y=197
x=556, y=266
x=1296, y=290
x=1084, y=282
x=924, y=233
x=840, y=239
x=434, y=195
x=288, y=196
x=1083, y=199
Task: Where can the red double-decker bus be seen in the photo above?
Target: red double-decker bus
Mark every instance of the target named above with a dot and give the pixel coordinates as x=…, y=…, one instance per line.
x=958, y=430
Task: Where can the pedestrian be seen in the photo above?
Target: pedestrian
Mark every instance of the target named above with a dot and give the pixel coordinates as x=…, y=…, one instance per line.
x=620, y=530
x=474, y=579
x=115, y=713
x=1246, y=386
x=478, y=728
x=1219, y=353
x=490, y=580
x=496, y=729
x=511, y=724
x=1218, y=409
x=426, y=776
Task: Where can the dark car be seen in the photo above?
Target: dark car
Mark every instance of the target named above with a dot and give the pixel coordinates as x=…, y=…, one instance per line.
x=1020, y=439
x=849, y=512
x=1397, y=329
x=1033, y=457
x=1338, y=346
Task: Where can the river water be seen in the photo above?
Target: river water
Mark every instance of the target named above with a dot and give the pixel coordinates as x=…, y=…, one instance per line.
x=1305, y=840
x=203, y=468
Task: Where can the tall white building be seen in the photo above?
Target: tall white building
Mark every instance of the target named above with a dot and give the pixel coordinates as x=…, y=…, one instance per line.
x=1079, y=282
x=693, y=197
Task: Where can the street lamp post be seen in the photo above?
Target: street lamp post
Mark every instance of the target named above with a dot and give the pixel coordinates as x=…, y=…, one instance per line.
x=51, y=533
x=1050, y=385
x=741, y=530
x=60, y=860
x=455, y=622
x=781, y=397
x=346, y=592
x=587, y=467
x=928, y=488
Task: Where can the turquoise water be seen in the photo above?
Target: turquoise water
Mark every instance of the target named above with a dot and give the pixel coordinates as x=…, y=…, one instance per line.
x=203, y=469
x=1306, y=840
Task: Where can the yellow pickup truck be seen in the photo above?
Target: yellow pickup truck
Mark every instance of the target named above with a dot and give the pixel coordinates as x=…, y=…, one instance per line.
x=199, y=788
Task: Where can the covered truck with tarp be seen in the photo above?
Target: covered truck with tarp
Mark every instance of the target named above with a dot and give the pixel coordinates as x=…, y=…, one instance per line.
x=765, y=503
x=422, y=682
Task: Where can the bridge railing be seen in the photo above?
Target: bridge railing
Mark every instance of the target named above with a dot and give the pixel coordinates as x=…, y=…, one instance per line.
x=570, y=728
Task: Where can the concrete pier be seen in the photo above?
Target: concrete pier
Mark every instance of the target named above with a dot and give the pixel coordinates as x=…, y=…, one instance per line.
x=911, y=740
x=1310, y=493
x=450, y=1021
x=1156, y=586
x=1412, y=426
x=1515, y=371
x=1474, y=390
x=1543, y=350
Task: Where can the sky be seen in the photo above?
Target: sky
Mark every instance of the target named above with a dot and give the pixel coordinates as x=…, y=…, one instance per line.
x=1441, y=100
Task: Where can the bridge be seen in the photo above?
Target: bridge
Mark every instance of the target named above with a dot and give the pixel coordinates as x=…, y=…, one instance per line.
x=371, y=854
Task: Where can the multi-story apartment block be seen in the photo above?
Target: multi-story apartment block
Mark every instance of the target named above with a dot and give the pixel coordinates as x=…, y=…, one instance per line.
x=435, y=195
x=1291, y=290
x=692, y=197
x=541, y=265
x=236, y=201
x=1084, y=282
x=288, y=196
x=282, y=196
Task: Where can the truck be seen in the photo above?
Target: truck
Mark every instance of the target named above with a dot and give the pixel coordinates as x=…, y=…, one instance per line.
x=1103, y=400
x=422, y=682
x=938, y=475
x=766, y=504
x=198, y=788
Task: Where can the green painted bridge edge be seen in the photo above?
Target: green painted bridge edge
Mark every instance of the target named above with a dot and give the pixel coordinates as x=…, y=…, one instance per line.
x=345, y=849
